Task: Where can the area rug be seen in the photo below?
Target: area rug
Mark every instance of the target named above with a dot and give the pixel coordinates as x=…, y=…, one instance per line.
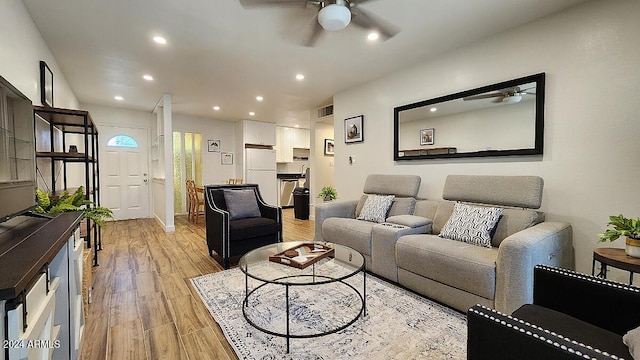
x=398, y=325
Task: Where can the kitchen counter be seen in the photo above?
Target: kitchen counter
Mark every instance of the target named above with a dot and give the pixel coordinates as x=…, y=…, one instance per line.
x=289, y=176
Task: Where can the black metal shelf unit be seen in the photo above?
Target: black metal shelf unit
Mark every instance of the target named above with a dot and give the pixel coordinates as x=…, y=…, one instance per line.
x=69, y=121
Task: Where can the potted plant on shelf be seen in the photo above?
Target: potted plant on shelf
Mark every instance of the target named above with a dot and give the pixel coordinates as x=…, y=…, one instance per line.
x=72, y=202
x=622, y=226
x=328, y=193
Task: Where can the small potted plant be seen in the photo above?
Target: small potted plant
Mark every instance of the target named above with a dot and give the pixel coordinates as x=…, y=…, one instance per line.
x=328, y=193
x=621, y=226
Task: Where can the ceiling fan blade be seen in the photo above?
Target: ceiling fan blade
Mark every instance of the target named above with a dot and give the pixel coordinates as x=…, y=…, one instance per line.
x=484, y=96
x=266, y=3
x=366, y=20
x=314, y=34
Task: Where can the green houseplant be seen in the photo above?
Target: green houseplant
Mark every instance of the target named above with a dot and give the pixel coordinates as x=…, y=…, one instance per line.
x=72, y=202
x=622, y=226
x=328, y=193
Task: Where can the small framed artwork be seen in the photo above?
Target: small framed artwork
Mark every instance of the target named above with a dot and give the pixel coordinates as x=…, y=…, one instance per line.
x=46, y=84
x=328, y=147
x=353, y=129
x=426, y=136
x=213, y=145
x=226, y=158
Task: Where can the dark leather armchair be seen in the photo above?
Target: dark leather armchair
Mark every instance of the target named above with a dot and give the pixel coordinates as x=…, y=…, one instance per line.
x=573, y=316
x=229, y=235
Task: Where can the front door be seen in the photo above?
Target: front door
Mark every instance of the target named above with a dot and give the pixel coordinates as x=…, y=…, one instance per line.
x=125, y=176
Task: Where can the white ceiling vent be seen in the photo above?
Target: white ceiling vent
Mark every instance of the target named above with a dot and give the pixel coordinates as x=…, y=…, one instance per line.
x=325, y=111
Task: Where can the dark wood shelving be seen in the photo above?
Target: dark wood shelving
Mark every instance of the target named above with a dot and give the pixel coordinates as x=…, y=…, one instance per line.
x=64, y=156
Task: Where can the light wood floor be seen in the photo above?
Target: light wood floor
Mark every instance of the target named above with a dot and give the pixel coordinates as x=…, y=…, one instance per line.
x=144, y=306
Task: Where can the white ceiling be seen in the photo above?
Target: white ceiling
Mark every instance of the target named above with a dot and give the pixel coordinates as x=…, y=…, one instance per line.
x=219, y=53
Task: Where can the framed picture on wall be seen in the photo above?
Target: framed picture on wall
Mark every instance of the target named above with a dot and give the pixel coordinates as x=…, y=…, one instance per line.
x=46, y=84
x=329, y=147
x=353, y=129
x=226, y=158
x=426, y=137
x=213, y=145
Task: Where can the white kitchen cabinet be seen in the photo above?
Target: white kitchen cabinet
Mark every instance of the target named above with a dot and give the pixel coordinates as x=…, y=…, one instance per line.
x=301, y=138
x=284, y=144
x=259, y=133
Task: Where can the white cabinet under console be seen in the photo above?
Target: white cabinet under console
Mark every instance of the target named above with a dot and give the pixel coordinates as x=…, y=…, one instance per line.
x=42, y=308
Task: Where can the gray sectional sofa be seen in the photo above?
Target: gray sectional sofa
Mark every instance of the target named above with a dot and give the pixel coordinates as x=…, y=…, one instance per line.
x=406, y=248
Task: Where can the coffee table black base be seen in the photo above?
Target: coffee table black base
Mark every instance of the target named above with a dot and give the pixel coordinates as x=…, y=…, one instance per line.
x=287, y=335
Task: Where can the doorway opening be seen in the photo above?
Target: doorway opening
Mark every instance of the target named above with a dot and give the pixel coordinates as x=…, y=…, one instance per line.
x=187, y=165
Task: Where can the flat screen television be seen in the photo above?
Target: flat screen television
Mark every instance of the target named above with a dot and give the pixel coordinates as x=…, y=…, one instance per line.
x=17, y=153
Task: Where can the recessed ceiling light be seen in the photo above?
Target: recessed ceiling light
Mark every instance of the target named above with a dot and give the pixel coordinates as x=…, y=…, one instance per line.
x=118, y=97
x=373, y=36
x=216, y=108
x=251, y=113
x=433, y=109
x=299, y=77
x=160, y=40
x=259, y=98
x=147, y=77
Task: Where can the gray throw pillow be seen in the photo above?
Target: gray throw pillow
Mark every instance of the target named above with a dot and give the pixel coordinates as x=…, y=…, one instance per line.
x=376, y=207
x=241, y=204
x=471, y=224
x=632, y=340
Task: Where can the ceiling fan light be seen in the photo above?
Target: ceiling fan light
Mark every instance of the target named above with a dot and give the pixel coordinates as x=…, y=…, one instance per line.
x=334, y=17
x=512, y=99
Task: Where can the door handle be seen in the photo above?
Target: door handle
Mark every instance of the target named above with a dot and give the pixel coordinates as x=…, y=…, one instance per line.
x=145, y=180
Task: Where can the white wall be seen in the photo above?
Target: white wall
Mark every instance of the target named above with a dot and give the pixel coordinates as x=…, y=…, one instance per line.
x=590, y=54
x=213, y=172
x=22, y=48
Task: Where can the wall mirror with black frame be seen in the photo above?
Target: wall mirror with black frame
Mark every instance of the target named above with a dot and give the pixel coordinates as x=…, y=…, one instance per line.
x=501, y=119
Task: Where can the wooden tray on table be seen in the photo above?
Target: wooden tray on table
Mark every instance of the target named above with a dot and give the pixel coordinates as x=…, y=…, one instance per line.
x=302, y=255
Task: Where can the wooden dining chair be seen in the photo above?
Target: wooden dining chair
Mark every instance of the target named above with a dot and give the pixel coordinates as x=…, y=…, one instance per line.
x=195, y=202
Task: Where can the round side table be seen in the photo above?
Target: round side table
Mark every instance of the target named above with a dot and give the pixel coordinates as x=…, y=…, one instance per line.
x=616, y=258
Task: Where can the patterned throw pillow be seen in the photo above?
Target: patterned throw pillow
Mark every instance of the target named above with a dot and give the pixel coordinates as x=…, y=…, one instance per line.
x=376, y=207
x=471, y=224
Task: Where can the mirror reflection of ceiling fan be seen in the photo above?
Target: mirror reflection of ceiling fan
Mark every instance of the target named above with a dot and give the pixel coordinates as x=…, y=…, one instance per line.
x=512, y=95
x=333, y=15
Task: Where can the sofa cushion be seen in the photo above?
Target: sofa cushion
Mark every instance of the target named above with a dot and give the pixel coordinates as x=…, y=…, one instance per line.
x=513, y=221
x=460, y=265
x=471, y=224
x=251, y=227
x=241, y=204
x=399, y=206
x=572, y=328
x=375, y=208
x=514, y=191
x=350, y=232
x=387, y=184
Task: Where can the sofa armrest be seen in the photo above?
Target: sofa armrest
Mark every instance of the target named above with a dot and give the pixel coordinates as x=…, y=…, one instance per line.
x=548, y=243
x=383, y=245
x=217, y=227
x=342, y=209
x=600, y=302
x=492, y=335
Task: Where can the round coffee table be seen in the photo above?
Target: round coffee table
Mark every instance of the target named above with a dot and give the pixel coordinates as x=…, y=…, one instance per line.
x=335, y=273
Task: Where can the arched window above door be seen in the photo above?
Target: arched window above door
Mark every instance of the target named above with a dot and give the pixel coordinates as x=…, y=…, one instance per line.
x=122, y=141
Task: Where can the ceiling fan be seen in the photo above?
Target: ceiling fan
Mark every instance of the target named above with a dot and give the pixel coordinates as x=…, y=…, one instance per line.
x=333, y=15
x=510, y=95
